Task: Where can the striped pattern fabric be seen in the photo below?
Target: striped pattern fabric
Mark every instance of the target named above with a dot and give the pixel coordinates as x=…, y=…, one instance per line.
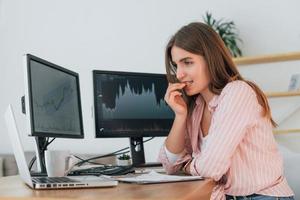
x=240, y=148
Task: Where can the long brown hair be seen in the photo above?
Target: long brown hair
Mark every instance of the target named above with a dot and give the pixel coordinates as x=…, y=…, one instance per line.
x=198, y=38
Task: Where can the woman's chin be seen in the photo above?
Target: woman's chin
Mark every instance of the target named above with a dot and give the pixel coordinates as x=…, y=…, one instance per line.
x=190, y=93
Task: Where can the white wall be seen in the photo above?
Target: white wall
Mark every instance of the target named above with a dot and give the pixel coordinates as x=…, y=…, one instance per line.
x=121, y=35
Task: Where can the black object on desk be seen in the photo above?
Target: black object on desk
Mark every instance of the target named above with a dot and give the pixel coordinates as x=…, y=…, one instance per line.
x=111, y=171
x=149, y=165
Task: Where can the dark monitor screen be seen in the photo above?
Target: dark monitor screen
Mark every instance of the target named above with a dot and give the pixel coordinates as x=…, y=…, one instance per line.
x=54, y=100
x=131, y=104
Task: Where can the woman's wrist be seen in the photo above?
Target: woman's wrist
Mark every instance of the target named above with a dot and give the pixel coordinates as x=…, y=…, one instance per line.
x=181, y=117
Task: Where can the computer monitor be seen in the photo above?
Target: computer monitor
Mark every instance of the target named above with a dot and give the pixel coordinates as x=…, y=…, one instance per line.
x=52, y=99
x=129, y=104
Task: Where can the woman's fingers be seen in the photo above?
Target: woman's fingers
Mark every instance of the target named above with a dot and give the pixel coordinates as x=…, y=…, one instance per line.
x=173, y=87
x=174, y=94
x=169, y=97
x=177, y=103
x=176, y=86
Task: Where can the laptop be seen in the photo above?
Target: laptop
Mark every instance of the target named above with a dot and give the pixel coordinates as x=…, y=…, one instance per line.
x=47, y=182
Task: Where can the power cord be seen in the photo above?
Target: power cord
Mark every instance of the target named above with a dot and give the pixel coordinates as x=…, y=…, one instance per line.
x=118, y=152
x=82, y=161
x=32, y=161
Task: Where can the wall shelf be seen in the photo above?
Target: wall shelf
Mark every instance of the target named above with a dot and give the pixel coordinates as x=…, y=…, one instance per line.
x=267, y=58
x=285, y=131
x=272, y=58
x=282, y=94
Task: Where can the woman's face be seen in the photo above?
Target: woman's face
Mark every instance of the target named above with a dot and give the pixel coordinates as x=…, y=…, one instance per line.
x=190, y=69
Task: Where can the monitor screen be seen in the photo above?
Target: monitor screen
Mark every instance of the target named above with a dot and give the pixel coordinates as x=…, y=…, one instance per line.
x=54, y=100
x=131, y=104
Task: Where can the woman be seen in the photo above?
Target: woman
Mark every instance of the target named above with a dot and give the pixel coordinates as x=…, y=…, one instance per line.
x=223, y=125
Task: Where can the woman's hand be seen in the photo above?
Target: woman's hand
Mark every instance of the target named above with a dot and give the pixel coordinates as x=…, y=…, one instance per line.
x=175, y=100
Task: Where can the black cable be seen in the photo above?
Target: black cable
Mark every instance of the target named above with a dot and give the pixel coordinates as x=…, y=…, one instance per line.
x=148, y=140
x=50, y=142
x=31, y=162
x=85, y=160
x=104, y=167
x=95, y=163
x=47, y=143
x=103, y=156
x=110, y=154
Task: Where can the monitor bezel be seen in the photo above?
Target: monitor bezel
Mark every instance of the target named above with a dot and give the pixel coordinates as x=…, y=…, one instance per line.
x=29, y=103
x=124, y=134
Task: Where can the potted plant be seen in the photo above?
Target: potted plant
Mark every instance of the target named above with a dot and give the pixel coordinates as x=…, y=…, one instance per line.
x=227, y=31
x=124, y=160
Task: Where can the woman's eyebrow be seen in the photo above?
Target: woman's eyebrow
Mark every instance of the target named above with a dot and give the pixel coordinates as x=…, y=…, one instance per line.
x=181, y=60
x=184, y=59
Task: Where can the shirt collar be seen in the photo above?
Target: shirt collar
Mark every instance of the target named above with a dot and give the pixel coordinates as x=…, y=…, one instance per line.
x=211, y=105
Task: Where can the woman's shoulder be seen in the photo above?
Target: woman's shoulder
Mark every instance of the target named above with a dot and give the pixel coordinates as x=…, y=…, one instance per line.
x=238, y=87
x=239, y=93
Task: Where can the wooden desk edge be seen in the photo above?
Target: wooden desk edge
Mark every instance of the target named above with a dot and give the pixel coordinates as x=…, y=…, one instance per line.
x=15, y=189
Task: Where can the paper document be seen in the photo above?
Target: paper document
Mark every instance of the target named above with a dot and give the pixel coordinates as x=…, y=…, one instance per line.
x=154, y=177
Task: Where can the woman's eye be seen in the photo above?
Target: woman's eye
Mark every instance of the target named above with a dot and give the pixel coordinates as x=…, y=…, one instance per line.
x=188, y=62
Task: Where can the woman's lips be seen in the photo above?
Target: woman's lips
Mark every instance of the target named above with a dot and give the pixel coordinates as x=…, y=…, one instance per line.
x=188, y=82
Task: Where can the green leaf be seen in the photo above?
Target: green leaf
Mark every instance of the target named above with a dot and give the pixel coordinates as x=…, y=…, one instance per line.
x=227, y=31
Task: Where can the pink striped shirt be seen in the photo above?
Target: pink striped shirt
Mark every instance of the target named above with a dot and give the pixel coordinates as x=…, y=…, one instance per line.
x=240, y=146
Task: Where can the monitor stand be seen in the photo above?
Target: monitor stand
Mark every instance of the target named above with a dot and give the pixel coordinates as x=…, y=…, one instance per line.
x=39, y=149
x=40, y=157
x=138, y=154
x=137, y=151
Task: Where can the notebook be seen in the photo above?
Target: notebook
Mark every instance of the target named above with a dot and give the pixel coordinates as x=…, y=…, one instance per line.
x=155, y=177
x=47, y=182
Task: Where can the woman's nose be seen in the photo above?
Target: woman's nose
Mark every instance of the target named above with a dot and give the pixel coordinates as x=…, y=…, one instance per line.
x=180, y=73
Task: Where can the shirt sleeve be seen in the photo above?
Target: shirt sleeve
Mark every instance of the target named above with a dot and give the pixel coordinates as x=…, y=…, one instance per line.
x=172, y=157
x=172, y=165
x=236, y=111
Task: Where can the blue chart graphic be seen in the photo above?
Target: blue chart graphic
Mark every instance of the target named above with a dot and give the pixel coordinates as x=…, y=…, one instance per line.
x=56, y=109
x=133, y=98
x=56, y=99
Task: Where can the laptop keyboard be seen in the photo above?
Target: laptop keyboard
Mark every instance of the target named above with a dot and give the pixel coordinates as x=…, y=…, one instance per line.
x=52, y=180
